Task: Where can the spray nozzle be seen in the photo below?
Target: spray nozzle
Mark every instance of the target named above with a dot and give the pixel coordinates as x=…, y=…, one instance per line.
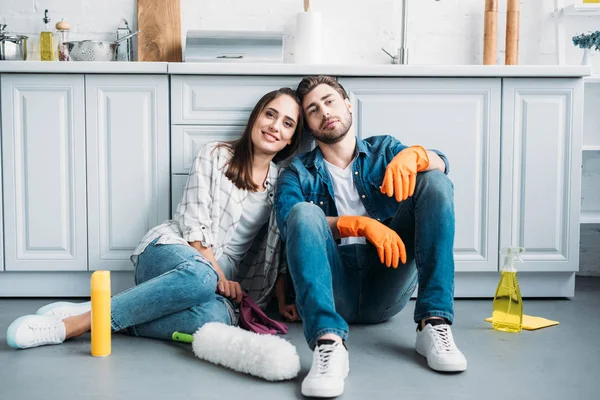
x=510, y=254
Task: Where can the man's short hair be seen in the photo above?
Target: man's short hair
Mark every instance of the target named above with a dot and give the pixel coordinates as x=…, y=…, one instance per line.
x=310, y=82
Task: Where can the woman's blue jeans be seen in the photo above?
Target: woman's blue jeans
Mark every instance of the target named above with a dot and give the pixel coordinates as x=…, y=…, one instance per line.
x=175, y=291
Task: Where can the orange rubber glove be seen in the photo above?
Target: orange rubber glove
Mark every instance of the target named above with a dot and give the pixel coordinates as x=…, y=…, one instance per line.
x=401, y=173
x=389, y=245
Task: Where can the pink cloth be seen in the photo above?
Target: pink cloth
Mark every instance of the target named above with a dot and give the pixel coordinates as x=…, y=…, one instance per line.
x=253, y=319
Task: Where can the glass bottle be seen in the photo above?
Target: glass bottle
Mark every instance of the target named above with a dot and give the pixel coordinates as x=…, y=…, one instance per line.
x=47, y=52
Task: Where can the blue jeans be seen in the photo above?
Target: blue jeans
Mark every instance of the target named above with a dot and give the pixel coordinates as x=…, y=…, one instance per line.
x=175, y=291
x=336, y=285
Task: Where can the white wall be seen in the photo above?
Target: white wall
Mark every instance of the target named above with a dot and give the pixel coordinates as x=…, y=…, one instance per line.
x=444, y=32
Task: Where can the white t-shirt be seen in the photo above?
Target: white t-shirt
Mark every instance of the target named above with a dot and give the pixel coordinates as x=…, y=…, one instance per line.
x=256, y=209
x=347, y=200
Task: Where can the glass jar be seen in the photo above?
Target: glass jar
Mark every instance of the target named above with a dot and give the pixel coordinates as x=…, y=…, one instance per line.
x=63, y=31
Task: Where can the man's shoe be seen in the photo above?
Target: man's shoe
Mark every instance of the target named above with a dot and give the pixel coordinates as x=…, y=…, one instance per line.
x=329, y=369
x=35, y=330
x=435, y=342
x=64, y=309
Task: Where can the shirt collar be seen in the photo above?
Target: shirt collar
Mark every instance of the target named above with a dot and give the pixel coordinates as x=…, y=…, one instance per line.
x=315, y=157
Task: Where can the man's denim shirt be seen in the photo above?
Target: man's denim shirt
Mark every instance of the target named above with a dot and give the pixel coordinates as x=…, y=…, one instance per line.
x=307, y=179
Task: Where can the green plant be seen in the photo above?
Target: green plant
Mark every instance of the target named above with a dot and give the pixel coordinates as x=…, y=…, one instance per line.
x=588, y=41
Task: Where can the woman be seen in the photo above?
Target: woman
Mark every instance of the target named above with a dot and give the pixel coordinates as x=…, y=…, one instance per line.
x=223, y=239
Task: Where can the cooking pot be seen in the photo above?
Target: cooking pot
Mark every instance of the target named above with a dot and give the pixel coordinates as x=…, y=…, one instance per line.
x=12, y=47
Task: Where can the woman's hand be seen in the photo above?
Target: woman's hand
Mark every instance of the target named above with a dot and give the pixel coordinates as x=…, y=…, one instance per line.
x=289, y=312
x=230, y=289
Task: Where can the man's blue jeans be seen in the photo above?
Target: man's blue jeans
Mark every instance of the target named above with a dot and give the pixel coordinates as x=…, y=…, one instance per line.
x=336, y=285
x=175, y=291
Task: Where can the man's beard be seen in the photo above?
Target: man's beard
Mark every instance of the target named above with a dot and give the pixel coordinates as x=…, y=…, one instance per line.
x=337, y=134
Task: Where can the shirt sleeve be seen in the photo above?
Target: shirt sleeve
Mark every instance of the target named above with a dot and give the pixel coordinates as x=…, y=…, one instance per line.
x=287, y=194
x=194, y=209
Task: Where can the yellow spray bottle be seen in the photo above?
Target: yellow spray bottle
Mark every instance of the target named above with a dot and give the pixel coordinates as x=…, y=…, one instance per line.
x=507, y=312
x=101, y=334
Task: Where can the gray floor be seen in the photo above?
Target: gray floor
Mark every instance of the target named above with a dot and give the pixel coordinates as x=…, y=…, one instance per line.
x=560, y=362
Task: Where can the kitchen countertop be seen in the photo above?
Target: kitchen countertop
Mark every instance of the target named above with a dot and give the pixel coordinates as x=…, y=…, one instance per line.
x=84, y=67
x=537, y=71
x=382, y=70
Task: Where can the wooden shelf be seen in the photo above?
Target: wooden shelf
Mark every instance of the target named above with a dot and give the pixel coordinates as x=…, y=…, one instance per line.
x=589, y=217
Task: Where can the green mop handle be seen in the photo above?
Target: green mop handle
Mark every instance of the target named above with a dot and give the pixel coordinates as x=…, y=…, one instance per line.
x=182, y=337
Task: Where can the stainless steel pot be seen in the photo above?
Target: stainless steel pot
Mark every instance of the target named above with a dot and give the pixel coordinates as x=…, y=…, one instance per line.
x=92, y=50
x=12, y=47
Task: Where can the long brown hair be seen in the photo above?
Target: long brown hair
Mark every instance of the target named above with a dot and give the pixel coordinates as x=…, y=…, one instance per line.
x=239, y=168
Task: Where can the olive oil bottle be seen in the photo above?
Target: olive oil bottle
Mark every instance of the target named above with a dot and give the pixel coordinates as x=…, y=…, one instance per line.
x=47, y=48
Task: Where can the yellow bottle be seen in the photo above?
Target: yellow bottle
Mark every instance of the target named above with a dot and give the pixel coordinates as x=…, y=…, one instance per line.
x=47, y=49
x=101, y=333
x=507, y=315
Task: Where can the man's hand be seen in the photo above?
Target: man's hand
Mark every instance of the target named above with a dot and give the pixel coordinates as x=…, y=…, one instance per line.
x=401, y=173
x=389, y=245
x=230, y=289
x=289, y=312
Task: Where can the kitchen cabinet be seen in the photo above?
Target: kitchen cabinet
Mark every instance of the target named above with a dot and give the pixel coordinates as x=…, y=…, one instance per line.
x=541, y=171
x=127, y=164
x=461, y=118
x=43, y=160
x=514, y=146
x=91, y=160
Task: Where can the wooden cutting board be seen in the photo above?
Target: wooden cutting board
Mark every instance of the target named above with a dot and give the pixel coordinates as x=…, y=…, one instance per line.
x=160, y=23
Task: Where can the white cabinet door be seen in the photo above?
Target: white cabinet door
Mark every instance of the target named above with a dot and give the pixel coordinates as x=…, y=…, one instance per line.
x=187, y=139
x=43, y=147
x=178, y=183
x=541, y=171
x=461, y=118
x=128, y=164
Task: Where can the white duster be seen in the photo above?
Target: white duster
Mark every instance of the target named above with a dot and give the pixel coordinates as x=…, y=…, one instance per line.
x=266, y=356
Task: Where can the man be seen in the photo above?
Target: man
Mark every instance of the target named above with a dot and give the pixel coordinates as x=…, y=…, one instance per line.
x=392, y=207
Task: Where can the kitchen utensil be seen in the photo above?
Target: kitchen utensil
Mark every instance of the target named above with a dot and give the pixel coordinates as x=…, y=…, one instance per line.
x=161, y=22
x=513, y=11
x=125, y=49
x=12, y=46
x=490, y=32
x=92, y=50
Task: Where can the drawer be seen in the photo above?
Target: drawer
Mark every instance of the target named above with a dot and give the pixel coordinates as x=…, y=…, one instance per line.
x=177, y=185
x=186, y=141
x=220, y=100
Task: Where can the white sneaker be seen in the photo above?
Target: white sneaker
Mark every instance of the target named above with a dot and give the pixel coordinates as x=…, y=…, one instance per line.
x=329, y=369
x=35, y=330
x=64, y=309
x=435, y=342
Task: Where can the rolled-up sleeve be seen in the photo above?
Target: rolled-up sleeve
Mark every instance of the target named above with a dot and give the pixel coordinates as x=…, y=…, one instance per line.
x=194, y=209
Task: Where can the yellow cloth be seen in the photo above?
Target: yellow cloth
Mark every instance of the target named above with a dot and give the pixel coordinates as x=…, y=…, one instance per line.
x=532, y=323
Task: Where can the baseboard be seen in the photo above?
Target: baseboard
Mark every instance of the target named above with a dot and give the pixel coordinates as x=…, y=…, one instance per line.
x=467, y=284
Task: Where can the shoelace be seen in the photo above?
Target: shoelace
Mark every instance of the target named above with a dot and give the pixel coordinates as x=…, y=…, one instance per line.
x=45, y=333
x=324, y=355
x=443, y=338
